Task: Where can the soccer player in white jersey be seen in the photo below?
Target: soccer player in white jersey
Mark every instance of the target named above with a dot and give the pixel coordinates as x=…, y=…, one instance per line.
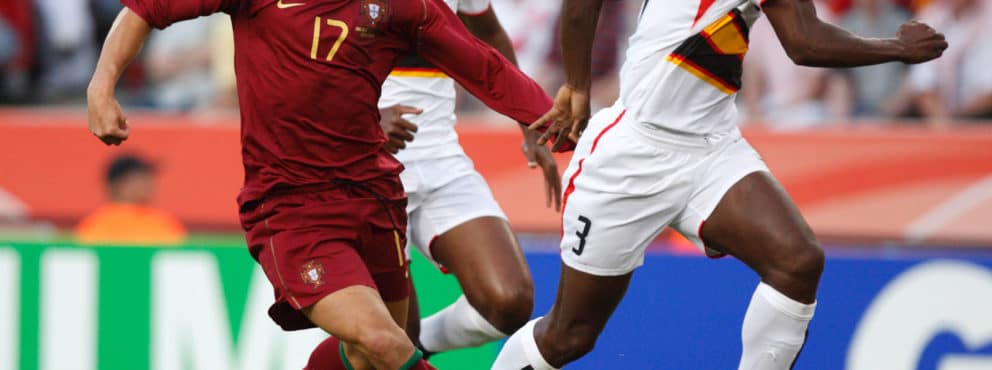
x=453, y=218
x=668, y=154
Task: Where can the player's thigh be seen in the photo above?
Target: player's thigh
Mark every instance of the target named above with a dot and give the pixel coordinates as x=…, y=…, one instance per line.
x=447, y=216
x=724, y=169
x=753, y=219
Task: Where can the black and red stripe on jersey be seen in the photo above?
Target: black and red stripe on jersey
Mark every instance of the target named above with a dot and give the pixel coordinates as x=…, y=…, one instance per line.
x=716, y=53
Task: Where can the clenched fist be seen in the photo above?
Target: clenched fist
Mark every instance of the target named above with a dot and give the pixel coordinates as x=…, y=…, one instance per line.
x=107, y=121
x=921, y=43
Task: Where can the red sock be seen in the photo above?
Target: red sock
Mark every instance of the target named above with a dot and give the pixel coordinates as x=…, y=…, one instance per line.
x=326, y=356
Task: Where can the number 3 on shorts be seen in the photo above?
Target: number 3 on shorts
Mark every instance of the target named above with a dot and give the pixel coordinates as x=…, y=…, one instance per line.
x=582, y=235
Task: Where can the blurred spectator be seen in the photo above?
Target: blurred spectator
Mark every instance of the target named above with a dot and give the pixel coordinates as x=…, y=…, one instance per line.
x=779, y=93
x=179, y=62
x=128, y=218
x=68, y=49
x=871, y=88
x=958, y=85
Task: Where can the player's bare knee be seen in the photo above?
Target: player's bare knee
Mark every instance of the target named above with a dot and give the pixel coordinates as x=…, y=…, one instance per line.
x=508, y=308
x=802, y=260
x=383, y=343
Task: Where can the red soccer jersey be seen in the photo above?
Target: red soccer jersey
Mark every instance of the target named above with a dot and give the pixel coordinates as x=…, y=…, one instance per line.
x=310, y=72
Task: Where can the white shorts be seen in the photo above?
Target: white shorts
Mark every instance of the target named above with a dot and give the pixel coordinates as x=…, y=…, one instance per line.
x=628, y=181
x=442, y=194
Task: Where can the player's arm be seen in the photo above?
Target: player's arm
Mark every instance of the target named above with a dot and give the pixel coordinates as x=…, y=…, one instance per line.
x=570, y=113
x=812, y=42
x=126, y=37
x=445, y=42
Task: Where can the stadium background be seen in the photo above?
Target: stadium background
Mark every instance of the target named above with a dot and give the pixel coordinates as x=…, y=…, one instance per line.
x=897, y=187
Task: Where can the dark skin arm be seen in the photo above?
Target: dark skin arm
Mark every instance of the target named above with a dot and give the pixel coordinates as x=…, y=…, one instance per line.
x=570, y=112
x=811, y=42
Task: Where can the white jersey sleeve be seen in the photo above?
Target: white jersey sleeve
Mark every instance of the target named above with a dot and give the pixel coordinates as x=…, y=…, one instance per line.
x=473, y=7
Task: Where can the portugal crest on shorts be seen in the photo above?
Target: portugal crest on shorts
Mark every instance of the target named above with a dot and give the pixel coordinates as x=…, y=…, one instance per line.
x=313, y=274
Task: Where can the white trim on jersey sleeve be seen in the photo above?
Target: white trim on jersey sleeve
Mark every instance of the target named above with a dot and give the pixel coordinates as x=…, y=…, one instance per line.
x=473, y=7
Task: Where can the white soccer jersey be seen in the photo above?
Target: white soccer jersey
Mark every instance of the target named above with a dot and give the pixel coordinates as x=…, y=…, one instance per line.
x=683, y=64
x=417, y=83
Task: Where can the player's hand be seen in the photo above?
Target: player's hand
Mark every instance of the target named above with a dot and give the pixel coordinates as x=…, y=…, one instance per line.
x=106, y=119
x=397, y=129
x=566, y=119
x=540, y=155
x=921, y=42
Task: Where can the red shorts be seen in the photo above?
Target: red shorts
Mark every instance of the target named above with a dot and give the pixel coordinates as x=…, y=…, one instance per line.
x=313, y=241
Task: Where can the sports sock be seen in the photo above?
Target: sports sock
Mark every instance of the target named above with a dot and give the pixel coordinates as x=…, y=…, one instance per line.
x=774, y=330
x=457, y=326
x=520, y=352
x=417, y=362
x=326, y=356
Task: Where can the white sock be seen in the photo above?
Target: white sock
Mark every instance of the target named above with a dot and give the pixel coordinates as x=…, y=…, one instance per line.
x=774, y=330
x=520, y=351
x=457, y=326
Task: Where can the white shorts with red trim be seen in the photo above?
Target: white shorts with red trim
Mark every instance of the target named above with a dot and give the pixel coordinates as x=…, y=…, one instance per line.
x=627, y=181
x=442, y=194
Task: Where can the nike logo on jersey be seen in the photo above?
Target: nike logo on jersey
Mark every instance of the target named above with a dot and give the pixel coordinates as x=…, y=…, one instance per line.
x=282, y=5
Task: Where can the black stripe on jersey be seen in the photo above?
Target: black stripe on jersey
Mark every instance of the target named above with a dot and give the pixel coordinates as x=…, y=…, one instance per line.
x=727, y=68
x=413, y=61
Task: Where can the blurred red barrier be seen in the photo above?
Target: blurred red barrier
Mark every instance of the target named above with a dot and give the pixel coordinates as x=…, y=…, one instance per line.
x=902, y=184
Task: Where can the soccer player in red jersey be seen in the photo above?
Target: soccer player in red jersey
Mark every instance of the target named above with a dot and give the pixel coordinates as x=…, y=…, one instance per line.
x=322, y=203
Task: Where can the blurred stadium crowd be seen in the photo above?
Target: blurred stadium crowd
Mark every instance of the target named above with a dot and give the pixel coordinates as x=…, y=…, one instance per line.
x=48, y=49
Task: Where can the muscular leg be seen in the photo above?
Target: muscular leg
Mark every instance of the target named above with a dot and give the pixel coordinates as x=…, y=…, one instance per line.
x=758, y=223
x=569, y=331
x=357, y=316
x=485, y=257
